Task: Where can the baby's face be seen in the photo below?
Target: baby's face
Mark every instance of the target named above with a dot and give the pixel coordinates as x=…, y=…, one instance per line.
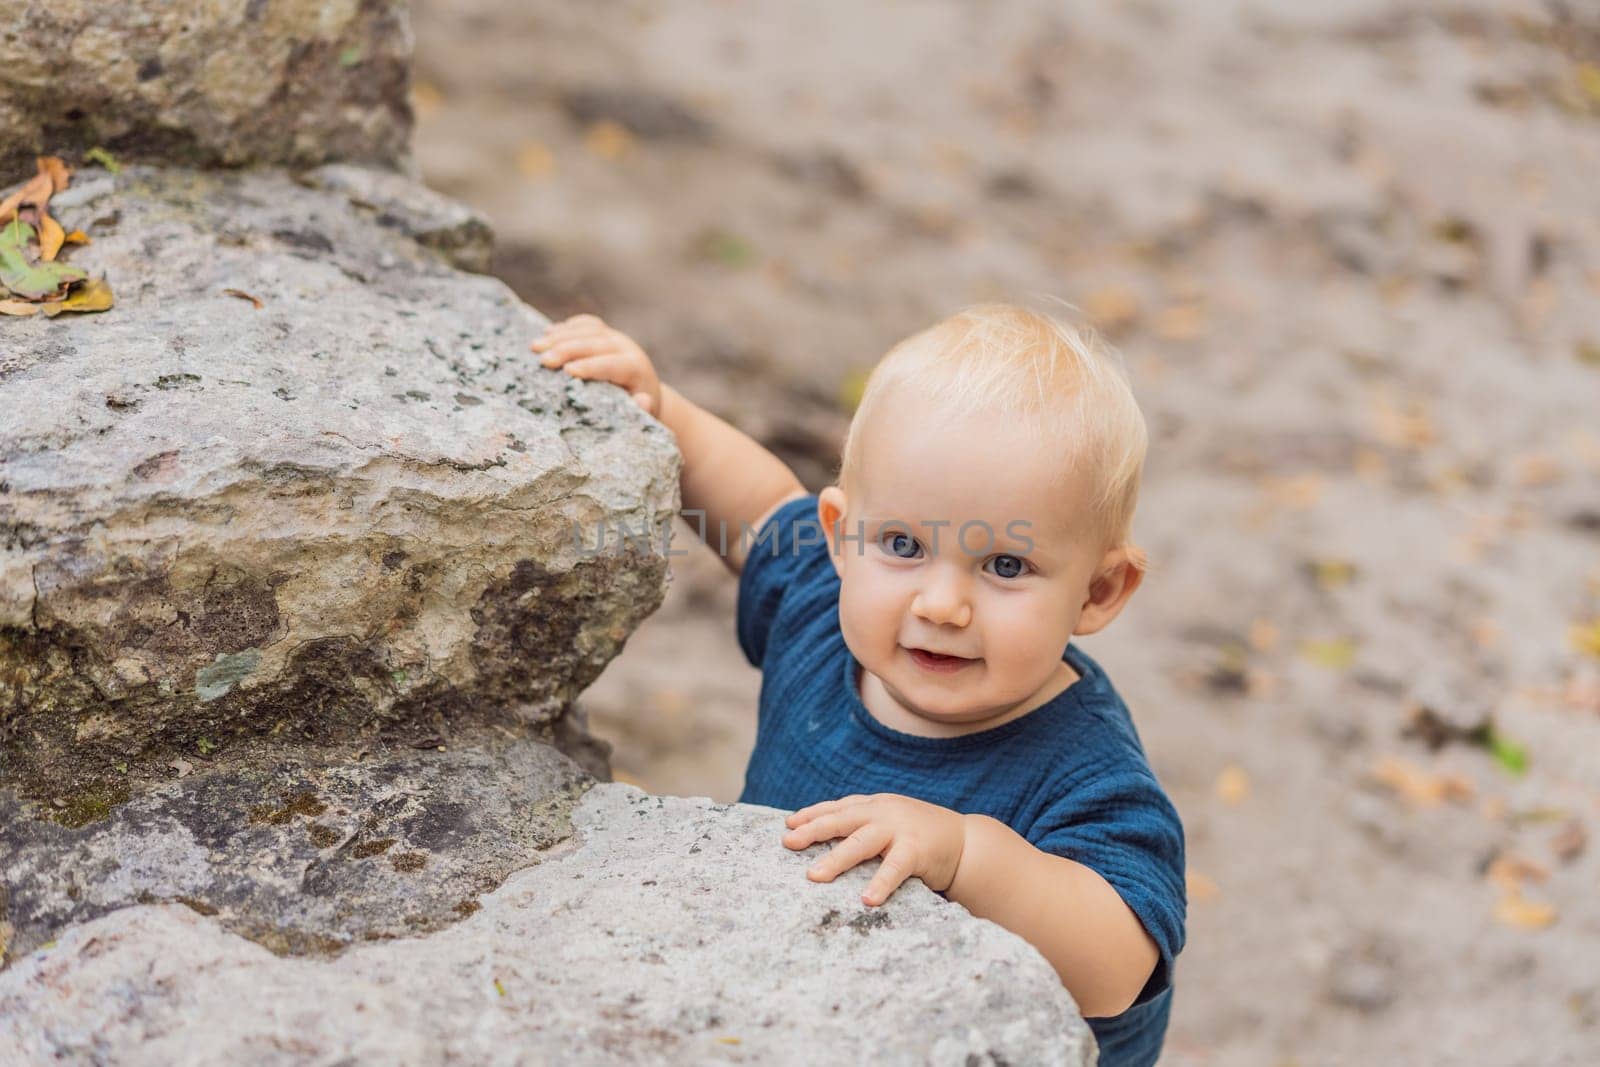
x=973, y=567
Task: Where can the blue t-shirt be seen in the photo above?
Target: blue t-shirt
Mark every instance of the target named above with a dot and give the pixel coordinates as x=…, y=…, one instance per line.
x=1070, y=776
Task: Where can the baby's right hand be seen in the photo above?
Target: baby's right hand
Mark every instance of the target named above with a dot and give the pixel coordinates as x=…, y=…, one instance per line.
x=588, y=348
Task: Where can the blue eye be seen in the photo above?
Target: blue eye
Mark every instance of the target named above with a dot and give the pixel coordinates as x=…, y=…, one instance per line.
x=1008, y=566
x=900, y=545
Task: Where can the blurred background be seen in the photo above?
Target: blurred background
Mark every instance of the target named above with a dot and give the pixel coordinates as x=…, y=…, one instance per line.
x=1351, y=253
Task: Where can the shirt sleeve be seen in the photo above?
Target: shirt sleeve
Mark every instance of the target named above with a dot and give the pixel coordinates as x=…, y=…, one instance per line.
x=778, y=552
x=1122, y=826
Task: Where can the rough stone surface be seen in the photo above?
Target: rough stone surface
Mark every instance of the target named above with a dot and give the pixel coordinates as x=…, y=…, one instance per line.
x=667, y=930
x=296, y=82
x=299, y=857
x=447, y=226
x=349, y=516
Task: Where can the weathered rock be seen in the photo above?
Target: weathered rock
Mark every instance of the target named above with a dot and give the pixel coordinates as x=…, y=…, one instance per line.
x=458, y=233
x=299, y=856
x=348, y=516
x=258, y=81
x=669, y=930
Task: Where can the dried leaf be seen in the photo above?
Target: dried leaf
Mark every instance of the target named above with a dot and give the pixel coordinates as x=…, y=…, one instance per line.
x=19, y=308
x=1330, y=574
x=51, y=237
x=1509, y=871
x=242, y=295
x=1514, y=911
x=1336, y=653
x=1418, y=786
x=851, y=388
x=426, y=99
x=93, y=295
x=1233, y=785
x=1585, y=637
x=535, y=160
x=181, y=766
x=76, y=237
x=58, y=172
x=608, y=139
x=36, y=190
x=1570, y=841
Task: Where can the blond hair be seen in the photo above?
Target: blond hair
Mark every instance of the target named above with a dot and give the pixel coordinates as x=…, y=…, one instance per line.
x=1016, y=363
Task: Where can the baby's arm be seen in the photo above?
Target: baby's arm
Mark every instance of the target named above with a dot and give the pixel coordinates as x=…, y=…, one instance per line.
x=726, y=474
x=1074, y=917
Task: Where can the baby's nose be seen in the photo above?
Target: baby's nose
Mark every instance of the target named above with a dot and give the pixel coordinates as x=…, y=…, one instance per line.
x=943, y=603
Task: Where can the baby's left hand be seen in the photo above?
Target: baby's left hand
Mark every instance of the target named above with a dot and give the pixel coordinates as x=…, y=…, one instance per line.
x=915, y=839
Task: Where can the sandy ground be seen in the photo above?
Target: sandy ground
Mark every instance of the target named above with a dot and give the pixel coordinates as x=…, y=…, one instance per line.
x=1352, y=254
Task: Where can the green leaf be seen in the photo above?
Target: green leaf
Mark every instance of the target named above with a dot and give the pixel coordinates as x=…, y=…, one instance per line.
x=31, y=281
x=205, y=745
x=105, y=159
x=1510, y=755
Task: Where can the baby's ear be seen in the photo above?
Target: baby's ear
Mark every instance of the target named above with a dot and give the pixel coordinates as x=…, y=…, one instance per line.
x=831, y=506
x=1119, y=574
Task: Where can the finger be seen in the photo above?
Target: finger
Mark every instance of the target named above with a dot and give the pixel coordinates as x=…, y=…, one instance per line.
x=612, y=367
x=806, y=814
x=865, y=843
x=646, y=402
x=824, y=828
x=895, y=868
x=564, y=332
x=576, y=348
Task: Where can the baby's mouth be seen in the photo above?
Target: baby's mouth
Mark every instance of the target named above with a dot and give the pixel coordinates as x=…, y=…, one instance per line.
x=938, y=662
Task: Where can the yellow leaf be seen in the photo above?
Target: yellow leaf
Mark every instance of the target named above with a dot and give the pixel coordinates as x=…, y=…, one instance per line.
x=729, y=1040
x=58, y=171
x=426, y=99
x=92, y=295
x=76, y=237
x=1514, y=911
x=1333, y=573
x=1233, y=785
x=1418, y=786
x=1586, y=637
x=608, y=139
x=1336, y=653
x=19, y=308
x=51, y=236
x=1589, y=81
x=1509, y=871
x=535, y=160
x=851, y=388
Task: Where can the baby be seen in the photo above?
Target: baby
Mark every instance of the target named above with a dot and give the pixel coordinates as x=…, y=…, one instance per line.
x=921, y=697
